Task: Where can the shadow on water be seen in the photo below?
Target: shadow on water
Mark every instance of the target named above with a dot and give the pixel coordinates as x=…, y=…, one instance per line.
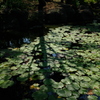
x=50, y=84
x=15, y=39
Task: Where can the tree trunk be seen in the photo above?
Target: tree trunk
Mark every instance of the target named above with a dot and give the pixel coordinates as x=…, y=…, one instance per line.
x=42, y=3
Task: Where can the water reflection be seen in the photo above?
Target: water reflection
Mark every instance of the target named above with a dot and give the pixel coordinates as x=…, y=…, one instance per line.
x=16, y=39
x=26, y=40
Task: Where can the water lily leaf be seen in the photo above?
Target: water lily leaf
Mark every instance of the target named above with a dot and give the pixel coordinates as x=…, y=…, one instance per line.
x=2, y=75
x=6, y=83
x=39, y=94
x=64, y=93
x=57, y=85
x=96, y=85
x=96, y=91
x=49, y=81
x=70, y=87
x=85, y=78
x=76, y=85
x=94, y=69
x=13, y=68
x=82, y=91
x=72, y=98
x=91, y=97
x=73, y=76
x=85, y=84
x=23, y=77
x=75, y=94
x=52, y=97
x=66, y=81
x=1, y=82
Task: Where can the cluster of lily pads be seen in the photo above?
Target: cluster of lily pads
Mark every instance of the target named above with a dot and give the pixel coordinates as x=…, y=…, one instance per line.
x=60, y=65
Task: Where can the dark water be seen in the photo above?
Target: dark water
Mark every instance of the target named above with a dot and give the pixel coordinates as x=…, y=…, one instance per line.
x=16, y=38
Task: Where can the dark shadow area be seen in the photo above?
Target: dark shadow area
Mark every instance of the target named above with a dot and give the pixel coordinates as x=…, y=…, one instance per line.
x=38, y=71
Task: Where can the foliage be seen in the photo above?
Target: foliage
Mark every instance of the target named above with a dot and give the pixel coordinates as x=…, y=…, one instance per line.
x=61, y=65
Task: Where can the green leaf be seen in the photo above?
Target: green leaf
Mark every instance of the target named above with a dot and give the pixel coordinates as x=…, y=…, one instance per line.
x=6, y=84
x=72, y=98
x=51, y=97
x=94, y=69
x=49, y=81
x=82, y=91
x=85, y=78
x=57, y=85
x=70, y=87
x=23, y=77
x=76, y=85
x=40, y=95
x=64, y=93
x=97, y=92
x=66, y=81
x=85, y=84
x=91, y=97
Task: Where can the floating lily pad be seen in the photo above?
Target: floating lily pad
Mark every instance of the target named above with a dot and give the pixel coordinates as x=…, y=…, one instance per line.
x=6, y=83
x=91, y=97
x=57, y=85
x=64, y=93
x=82, y=91
x=94, y=69
x=72, y=98
x=85, y=78
x=66, y=81
x=23, y=77
x=40, y=95
x=85, y=84
x=49, y=81
x=76, y=85
x=70, y=87
x=96, y=91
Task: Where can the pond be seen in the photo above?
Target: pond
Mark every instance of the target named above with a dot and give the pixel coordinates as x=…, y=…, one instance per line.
x=61, y=65
x=17, y=38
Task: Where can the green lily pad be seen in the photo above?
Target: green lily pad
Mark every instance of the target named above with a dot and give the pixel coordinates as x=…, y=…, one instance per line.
x=91, y=97
x=85, y=78
x=23, y=77
x=52, y=97
x=85, y=84
x=1, y=82
x=72, y=98
x=97, y=92
x=49, y=81
x=76, y=85
x=66, y=81
x=64, y=93
x=40, y=95
x=94, y=69
x=82, y=91
x=2, y=76
x=6, y=83
x=70, y=87
x=57, y=85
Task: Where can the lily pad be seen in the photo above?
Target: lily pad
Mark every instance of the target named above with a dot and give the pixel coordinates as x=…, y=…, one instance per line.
x=91, y=97
x=57, y=85
x=6, y=83
x=96, y=91
x=76, y=85
x=23, y=77
x=85, y=78
x=49, y=81
x=66, y=81
x=40, y=95
x=70, y=87
x=64, y=93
